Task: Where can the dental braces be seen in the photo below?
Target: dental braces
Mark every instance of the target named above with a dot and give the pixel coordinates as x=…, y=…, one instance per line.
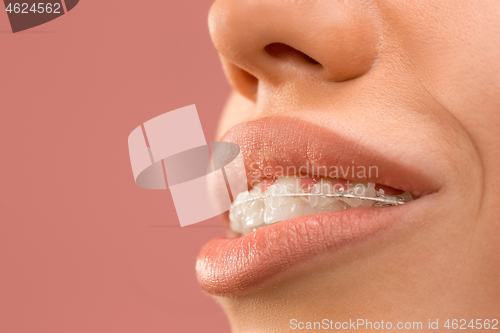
x=380, y=200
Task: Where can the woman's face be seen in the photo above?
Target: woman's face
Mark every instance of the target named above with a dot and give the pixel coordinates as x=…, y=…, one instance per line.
x=411, y=87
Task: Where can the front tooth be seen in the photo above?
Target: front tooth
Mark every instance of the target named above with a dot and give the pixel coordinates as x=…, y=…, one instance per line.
x=356, y=189
x=253, y=214
x=332, y=206
x=308, y=209
x=241, y=197
x=279, y=208
x=366, y=203
x=370, y=190
x=292, y=207
x=272, y=215
x=274, y=200
x=369, y=193
x=353, y=202
x=313, y=200
x=324, y=187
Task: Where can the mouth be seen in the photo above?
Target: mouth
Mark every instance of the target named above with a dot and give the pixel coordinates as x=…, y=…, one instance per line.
x=279, y=199
x=312, y=192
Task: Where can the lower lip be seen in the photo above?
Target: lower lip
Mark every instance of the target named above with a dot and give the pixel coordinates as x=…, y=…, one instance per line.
x=231, y=267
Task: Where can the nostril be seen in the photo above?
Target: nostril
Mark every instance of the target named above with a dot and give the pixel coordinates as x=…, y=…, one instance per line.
x=250, y=84
x=241, y=80
x=283, y=51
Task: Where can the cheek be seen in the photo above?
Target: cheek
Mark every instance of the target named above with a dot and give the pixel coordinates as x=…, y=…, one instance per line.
x=454, y=49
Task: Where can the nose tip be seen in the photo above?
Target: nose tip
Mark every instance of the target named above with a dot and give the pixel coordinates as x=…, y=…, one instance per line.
x=275, y=42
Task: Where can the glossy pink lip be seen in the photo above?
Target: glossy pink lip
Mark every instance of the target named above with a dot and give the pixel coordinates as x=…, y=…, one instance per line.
x=235, y=266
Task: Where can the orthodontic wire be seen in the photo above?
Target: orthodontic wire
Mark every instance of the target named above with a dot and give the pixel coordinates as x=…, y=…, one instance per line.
x=328, y=195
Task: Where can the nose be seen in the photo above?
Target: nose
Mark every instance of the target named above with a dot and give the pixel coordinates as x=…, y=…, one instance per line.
x=275, y=42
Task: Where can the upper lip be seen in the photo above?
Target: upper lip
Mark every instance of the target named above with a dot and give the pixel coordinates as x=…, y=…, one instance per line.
x=273, y=144
x=228, y=266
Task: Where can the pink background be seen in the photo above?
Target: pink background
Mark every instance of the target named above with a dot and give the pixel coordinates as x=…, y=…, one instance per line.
x=80, y=245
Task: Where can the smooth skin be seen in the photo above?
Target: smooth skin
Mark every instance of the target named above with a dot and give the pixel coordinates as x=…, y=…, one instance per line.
x=424, y=75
